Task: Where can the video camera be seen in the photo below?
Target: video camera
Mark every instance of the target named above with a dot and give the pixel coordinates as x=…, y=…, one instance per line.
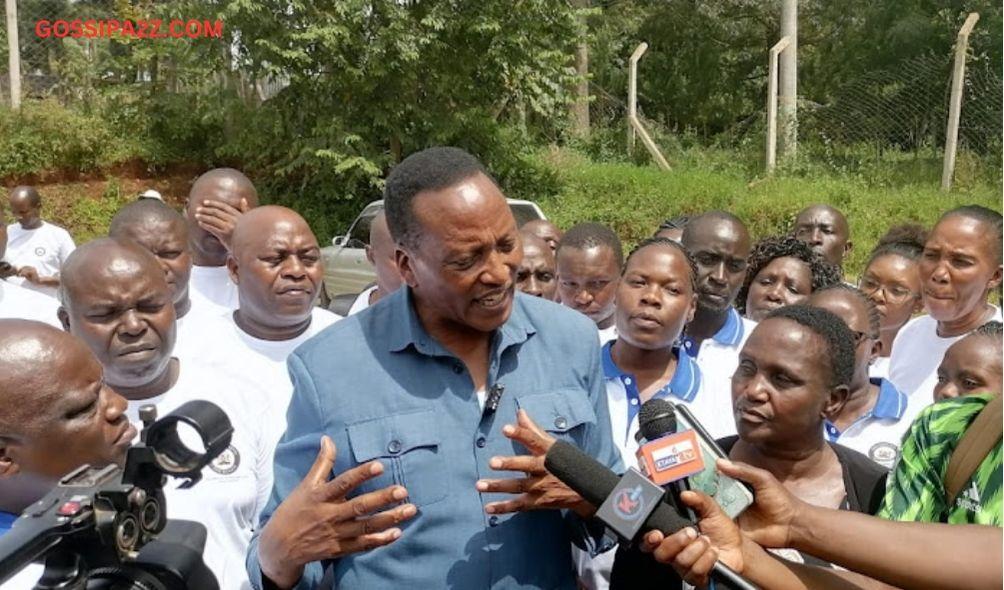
x=107, y=528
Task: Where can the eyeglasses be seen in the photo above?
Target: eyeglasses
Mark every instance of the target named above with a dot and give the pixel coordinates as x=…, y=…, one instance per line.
x=894, y=294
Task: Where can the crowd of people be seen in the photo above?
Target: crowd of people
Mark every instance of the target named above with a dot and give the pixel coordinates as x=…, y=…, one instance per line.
x=405, y=443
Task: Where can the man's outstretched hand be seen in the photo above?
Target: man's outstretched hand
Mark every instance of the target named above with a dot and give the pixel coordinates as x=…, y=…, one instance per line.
x=316, y=521
x=539, y=489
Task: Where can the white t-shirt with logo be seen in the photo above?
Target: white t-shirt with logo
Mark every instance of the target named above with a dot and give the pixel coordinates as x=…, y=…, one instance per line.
x=211, y=290
x=232, y=493
x=247, y=362
x=45, y=248
x=25, y=304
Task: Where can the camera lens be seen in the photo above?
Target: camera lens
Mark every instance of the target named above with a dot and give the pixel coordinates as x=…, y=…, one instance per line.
x=150, y=516
x=187, y=439
x=127, y=532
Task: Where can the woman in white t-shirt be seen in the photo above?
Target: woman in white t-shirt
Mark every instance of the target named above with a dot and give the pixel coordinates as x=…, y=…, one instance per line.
x=960, y=266
x=892, y=281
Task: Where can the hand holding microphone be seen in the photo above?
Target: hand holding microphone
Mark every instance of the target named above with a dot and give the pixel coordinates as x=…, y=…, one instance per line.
x=627, y=504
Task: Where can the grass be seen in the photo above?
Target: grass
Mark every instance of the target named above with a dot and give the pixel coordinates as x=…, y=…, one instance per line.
x=635, y=199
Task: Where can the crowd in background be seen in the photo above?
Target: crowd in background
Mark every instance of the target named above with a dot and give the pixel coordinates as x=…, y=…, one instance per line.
x=853, y=395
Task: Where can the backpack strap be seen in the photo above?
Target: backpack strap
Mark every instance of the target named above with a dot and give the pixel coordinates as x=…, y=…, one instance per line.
x=979, y=439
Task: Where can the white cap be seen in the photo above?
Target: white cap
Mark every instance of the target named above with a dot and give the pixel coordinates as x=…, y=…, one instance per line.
x=150, y=194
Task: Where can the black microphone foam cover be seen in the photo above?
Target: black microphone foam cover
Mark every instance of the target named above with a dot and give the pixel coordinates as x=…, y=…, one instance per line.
x=656, y=419
x=594, y=481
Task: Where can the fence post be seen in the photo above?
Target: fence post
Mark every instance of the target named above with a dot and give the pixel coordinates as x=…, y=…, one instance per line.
x=955, y=102
x=634, y=124
x=14, y=55
x=633, y=92
x=772, y=59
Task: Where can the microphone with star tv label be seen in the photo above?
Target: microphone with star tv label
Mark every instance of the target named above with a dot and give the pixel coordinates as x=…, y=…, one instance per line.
x=628, y=504
x=667, y=434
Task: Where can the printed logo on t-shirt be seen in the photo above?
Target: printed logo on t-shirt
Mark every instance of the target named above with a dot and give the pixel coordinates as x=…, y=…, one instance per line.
x=40, y=251
x=227, y=462
x=969, y=500
x=883, y=453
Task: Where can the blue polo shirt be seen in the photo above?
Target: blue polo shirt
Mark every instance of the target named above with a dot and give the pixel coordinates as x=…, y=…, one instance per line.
x=878, y=432
x=732, y=334
x=624, y=401
x=382, y=388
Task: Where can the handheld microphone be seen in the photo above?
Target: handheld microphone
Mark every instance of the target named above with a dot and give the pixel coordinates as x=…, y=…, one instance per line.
x=625, y=503
x=667, y=457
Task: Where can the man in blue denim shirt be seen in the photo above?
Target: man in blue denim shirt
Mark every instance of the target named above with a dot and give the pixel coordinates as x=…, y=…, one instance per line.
x=415, y=393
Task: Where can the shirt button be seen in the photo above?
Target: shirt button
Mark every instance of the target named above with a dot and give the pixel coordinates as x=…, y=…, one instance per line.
x=560, y=422
x=634, y=401
x=394, y=447
x=458, y=368
x=481, y=442
x=627, y=381
x=493, y=521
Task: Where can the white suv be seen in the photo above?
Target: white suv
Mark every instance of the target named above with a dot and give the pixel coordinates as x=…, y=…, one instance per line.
x=346, y=270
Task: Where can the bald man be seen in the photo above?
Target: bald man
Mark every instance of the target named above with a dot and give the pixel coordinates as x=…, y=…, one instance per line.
x=16, y=301
x=51, y=392
x=35, y=247
x=825, y=230
x=544, y=230
x=381, y=254
x=537, y=273
x=116, y=299
x=276, y=264
x=161, y=230
x=215, y=202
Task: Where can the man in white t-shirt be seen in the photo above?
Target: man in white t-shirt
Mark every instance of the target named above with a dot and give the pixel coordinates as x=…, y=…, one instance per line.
x=34, y=247
x=380, y=253
x=18, y=302
x=115, y=298
x=719, y=244
x=51, y=393
x=589, y=261
x=215, y=202
x=276, y=264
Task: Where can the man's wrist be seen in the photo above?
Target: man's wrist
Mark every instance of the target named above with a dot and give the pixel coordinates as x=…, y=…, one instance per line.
x=276, y=568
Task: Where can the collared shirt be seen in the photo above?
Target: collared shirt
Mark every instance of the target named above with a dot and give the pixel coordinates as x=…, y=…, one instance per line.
x=879, y=432
x=916, y=491
x=718, y=358
x=624, y=400
x=382, y=388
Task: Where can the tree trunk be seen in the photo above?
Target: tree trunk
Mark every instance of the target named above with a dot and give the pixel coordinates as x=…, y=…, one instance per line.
x=580, y=106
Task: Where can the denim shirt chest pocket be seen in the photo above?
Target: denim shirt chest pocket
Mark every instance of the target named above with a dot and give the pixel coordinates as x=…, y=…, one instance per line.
x=408, y=446
x=564, y=412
